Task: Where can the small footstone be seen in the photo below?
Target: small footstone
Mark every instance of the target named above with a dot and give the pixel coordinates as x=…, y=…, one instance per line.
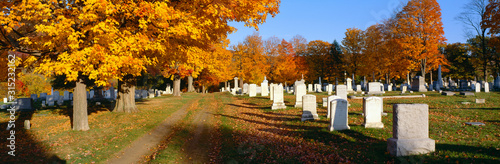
x=448, y=93
x=475, y=123
x=465, y=103
x=467, y=93
x=480, y=101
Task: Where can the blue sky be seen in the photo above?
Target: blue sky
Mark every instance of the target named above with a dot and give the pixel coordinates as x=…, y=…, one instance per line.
x=328, y=19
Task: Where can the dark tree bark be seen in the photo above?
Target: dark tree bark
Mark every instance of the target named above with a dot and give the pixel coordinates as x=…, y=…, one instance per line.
x=177, y=85
x=80, y=115
x=125, y=100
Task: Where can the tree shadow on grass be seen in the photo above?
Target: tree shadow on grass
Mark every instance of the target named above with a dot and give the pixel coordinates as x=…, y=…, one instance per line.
x=27, y=148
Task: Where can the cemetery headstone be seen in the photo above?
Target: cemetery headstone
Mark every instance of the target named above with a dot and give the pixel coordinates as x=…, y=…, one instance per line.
x=418, y=84
x=341, y=91
x=372, y=111
x=34, y=96
x=325, y=102
x=252, y=90
x=374, y=88
x=271, y=96
x=349, y=85
x=309, y=108
x=264, y=88
x=245, y=88
x=24, y=104
x=480, y=101
x=66, y=95
x=329, y=89
x=486, y=87
x=478, y=87
x=43, y=96
x=278, y=102
x=301, y=91
x=113, y=93
x=410, y=130
x=338, y=115
x=309, y=88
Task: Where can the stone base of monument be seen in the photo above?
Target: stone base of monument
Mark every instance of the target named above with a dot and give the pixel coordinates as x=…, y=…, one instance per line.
x=298, y=104
x=406, y=147
x=339, y=127
x=374, y=125
x=308, y=116
x=278, y=106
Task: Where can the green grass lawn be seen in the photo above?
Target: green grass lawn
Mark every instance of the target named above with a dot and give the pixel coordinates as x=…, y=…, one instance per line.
x=456, y=142
x=51, y=138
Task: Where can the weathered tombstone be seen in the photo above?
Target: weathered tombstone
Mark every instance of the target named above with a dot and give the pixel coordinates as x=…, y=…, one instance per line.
x=338, y=115
x=467, y=93
x=66, y=95
x=107, y=94
x=317, y=88
x=34, y=96
x=301, y=91
x=295, y=86
x=264, y=88
x=341, y=91
x=372, y=110
x=50, y=100
x=138, y=94
x=43, y=103
x=480, y=101
x=410, y=128
x=448, y=93
x=325, y=102
x=252, y=90
x=418, y=84
x=91, y=94
x=374, y=88
x=309, y=88
x=478, y=87
x=389, y=87
x=245, y=88
x=113, y=93
x=271, y=94
x=144, y=94
x=439, y=83
x=43, y=96
x=309, y=108
x=486, y=87
x=329, y=89
x=349, y=85
x=5, y=100
x=358, y=88
x=278, y=102
x=60, y=101
x=235, y=84
x=403, y=88
x=24, y=104
x=56, y=95
x=329, y=100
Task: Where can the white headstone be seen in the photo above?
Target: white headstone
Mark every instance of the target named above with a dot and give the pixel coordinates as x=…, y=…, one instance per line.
x=329, y=100
x=389, y=87
x=341, y=91
x=349, y=85
x=245, y=88
x=301, y=91
x=278, y=102
x=5, y=100
x=338, y=115
x=418, y=84
x=264, y=89
x=325, y=102
x=329, y=89
x=410, y=128
x=403, y=88
x=372, y=110
x=252, y=90
x=478, y=87
x=309, y=88
x=309, y=107
x=271, y=87
x=358, y=88
x=486, y=87
x=374, y=88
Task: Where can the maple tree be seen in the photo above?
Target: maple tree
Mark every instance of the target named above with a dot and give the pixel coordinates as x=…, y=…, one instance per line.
x=460, y=63
x=287, y=68
x=316, y=58
x=353, y=46
x=421, y=32
x=491, y=17
x=108, y=39
x=249, y=60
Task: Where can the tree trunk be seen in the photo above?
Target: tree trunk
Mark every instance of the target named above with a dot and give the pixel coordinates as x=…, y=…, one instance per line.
x=80, y=114
x=125, y=100
x=203, y=89
x=423, y=64
x=177, y=85
x=241, y=85
x=190, y=84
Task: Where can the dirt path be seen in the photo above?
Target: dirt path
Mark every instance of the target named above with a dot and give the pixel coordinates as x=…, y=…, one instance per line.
x=142, y=146
x=198, y=148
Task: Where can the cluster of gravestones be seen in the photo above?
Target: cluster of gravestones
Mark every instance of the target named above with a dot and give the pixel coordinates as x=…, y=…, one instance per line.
x=410, y=121
x=26, y=104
